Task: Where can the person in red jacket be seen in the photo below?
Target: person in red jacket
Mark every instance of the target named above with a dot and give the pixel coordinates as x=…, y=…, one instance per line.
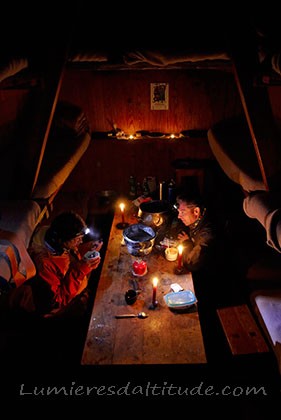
x=60, y=286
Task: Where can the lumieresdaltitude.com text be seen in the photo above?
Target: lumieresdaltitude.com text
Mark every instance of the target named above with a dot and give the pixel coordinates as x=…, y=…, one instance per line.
x=150, y=389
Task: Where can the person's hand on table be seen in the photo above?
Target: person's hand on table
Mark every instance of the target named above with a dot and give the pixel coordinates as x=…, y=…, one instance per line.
x=183, y=236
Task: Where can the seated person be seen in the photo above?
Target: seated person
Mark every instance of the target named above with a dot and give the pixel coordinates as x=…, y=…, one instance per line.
x=202, y=257
x=196, y=233
x=60, y=285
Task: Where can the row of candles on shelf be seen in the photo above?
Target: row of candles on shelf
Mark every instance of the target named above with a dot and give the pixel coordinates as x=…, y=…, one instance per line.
x=126, y=136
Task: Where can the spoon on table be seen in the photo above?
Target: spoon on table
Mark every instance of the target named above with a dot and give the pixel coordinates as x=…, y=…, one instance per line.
x=139, y=315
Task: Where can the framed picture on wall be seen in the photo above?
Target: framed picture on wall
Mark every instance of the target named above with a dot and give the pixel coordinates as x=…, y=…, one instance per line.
x=159, y=96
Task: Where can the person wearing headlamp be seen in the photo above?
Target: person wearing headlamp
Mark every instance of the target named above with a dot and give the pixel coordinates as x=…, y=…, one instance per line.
x=62, y=270
x=196, y=233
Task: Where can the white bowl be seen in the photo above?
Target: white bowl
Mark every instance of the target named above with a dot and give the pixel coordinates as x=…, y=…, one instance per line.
x=171, y=253
x=91, y=255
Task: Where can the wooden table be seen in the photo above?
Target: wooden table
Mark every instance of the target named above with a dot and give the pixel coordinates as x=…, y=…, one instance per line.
x=165, y=337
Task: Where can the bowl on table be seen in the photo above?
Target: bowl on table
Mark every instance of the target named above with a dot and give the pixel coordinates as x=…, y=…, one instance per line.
x=171, y=253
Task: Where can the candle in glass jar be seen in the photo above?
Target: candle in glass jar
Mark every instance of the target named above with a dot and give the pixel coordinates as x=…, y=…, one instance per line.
x=122, y=207
x=180, y=249
x=155, y=283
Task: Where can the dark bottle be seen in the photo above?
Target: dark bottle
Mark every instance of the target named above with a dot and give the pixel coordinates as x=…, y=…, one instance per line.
x=139, y=189
x=145, y=188
x=133, y=187
x=172, y=192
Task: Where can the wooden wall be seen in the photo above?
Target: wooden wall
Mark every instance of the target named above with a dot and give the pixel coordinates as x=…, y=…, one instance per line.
x=108, y=164
x=275, y=100
x=197, y=99
x=11, y=102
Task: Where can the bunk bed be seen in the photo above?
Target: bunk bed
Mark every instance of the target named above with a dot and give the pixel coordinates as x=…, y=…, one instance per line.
x=68, y=140
x=67, y=143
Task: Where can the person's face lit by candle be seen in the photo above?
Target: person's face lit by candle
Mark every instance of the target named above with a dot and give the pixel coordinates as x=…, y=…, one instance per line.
x=188, y=214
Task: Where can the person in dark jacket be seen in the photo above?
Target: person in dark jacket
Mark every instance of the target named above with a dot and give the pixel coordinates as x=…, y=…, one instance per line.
x=202, y=256
x=196, y=233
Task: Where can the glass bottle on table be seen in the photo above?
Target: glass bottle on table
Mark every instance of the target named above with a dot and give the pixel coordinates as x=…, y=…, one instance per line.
x=172, y=191
x=139, y=189
x=145, y=188
x=133, y=187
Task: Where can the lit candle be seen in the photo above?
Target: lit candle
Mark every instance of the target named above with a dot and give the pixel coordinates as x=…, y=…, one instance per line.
x=122, y=206
x=160, y=190
x=180, y=249
x=154, y=282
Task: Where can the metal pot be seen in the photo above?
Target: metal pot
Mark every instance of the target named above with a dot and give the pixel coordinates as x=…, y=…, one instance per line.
x=139, y=239
x=155, y=213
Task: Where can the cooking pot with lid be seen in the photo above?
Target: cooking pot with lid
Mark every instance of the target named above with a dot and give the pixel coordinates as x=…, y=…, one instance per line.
x=139, y=239
x=155, y=213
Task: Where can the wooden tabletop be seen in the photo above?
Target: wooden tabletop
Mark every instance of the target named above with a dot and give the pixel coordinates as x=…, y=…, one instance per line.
x=164, y=337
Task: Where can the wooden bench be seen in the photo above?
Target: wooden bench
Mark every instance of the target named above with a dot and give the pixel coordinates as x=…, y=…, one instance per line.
x=242, y=333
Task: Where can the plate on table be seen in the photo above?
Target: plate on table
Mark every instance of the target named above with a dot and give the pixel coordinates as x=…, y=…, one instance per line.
x=180, y=300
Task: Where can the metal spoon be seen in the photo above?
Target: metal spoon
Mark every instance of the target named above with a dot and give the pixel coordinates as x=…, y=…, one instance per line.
x=139, y=315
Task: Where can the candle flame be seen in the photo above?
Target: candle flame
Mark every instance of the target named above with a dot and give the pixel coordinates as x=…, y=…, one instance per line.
x=155, y=281
x=122, y=206
x=180, y=249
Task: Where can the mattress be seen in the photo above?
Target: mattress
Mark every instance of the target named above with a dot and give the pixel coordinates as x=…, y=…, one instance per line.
x=20, y=217
x=60, y=158
x=10, y=67
x=232, y=146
